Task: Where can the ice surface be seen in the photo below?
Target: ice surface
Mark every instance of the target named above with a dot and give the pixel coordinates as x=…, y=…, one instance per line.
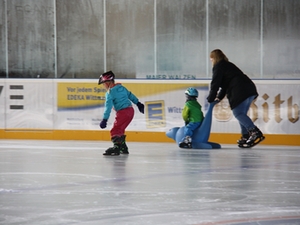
x=71, y=182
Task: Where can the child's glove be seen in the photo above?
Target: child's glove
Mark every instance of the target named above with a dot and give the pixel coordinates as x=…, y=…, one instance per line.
x=103, y=123
x=141, y=107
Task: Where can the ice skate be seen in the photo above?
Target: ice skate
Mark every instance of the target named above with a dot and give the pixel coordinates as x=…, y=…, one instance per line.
x=186, y=142
x=123, y=147
x=243, y=141
x=116, y=149
x=256, y=136
x=113, y=151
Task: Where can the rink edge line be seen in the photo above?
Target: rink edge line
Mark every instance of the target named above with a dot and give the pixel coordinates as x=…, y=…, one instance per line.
x=137, y=136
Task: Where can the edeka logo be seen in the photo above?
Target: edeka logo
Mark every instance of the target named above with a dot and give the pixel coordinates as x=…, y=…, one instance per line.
x=155, y=114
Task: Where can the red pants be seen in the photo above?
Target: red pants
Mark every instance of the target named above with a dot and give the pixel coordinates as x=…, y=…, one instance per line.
x=122, y=120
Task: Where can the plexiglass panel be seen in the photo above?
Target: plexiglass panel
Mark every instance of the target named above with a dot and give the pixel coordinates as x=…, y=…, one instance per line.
x=181, y=39
x=2, y=40
x=30, y=36
x=281, y=43
x=234, y=27
x=80, y=38
x=130, y=37
x=149, y=39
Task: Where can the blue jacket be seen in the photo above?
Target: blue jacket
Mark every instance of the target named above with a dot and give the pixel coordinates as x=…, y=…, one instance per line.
x=118, y=97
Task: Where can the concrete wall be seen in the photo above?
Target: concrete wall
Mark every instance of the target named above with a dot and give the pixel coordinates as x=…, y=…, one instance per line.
x=150, y=39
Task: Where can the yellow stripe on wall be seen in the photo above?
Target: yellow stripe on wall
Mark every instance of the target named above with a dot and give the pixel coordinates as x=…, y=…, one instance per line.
x=136, y=136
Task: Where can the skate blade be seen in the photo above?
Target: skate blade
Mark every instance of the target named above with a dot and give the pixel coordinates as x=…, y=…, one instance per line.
x=185, y=145
x=110, y=154
x=258, y=140
x=105, y=154
x=245, y=146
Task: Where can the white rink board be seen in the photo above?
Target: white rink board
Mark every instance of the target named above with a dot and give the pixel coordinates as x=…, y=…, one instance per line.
x=35, y=104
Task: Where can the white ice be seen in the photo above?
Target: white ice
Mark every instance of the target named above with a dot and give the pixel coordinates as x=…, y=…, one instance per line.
x=71, y=182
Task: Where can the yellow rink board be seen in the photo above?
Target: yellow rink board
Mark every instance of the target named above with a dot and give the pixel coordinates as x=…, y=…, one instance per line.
x=136, y=136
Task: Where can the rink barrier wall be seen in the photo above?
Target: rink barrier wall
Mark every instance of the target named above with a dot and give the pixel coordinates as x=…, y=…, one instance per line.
x=65, y=109
x=132, y=136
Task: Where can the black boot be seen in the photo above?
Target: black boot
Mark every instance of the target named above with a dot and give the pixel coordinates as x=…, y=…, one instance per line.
x=256, y=136
x=243, y=139
x=124, y=148
x=115, y=150
x=186, y=142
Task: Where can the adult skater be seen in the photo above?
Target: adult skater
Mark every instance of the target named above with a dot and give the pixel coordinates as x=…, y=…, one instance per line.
x=119, y=98
x=228, y=79
x=192, y=115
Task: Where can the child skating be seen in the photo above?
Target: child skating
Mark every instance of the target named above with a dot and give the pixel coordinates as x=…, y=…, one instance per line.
x=192, y=115
x=121, y=99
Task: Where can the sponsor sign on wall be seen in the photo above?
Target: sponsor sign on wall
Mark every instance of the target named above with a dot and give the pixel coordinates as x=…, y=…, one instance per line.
x=66, y=105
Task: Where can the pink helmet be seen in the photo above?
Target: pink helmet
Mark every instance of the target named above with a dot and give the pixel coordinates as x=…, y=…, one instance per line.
x=107, y=76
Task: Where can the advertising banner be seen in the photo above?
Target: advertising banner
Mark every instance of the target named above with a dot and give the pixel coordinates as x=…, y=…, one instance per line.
x=275, y=111
x=79, y=105
x=29, y=104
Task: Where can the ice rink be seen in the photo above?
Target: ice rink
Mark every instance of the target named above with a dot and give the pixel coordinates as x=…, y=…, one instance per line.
x=71, y=182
